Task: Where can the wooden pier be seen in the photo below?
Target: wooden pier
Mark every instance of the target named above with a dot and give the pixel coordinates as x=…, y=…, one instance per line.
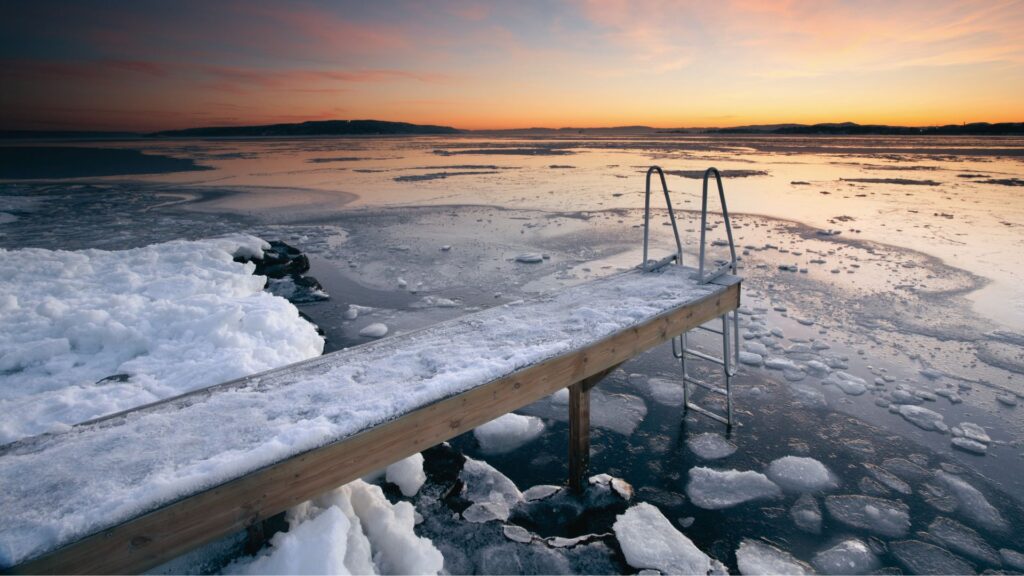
x=163, y=529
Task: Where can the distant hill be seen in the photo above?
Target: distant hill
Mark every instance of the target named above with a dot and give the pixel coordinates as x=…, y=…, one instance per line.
x=315, y=128
x=851, y=128
x=612, y=130
x=65, y=134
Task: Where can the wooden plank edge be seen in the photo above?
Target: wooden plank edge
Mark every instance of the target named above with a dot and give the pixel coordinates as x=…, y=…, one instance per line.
x=177, y=527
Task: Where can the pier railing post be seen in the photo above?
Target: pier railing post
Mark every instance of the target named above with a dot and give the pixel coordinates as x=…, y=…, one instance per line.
x=579, y=435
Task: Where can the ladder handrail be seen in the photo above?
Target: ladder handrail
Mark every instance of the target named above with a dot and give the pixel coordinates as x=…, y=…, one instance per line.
x=678, y=256
x=731, y=266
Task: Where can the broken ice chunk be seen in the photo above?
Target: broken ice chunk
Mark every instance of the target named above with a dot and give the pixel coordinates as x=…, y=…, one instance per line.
x=800, y=474
x=407, y=474
x=851, y=556
x=884, y=517
x=888, y=479
x=922, y=417
x=715, y=489
x=961, y=539
x=968, y=445
x=667, y=392
x=530, y=258
x=972, y=504
x=375, y=330
x=806, y=514
x=493, y=494
x=848, y=383
x=922, y=558
x=756, y=558
x=710, y=446
x=649, y=541
x=971, y=431
x=508, y=432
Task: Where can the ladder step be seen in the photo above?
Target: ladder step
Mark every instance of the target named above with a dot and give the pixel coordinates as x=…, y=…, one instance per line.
x=651, y=265
x=705, y=385
x=708, y=413
x=712, y=330
x=704, y=356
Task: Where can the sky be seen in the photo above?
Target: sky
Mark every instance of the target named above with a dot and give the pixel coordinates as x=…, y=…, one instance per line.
x=150, y=65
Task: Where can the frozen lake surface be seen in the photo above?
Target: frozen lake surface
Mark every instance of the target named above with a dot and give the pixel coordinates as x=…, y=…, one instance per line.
x=882, y=364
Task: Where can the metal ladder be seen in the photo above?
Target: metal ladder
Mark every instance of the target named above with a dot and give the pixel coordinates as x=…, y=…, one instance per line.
x=730, y=320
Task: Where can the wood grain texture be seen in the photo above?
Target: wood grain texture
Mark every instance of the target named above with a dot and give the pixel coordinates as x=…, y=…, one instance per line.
x=176, y=528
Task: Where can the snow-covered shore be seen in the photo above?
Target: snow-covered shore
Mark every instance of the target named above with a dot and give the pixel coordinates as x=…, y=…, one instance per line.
x=89, y=333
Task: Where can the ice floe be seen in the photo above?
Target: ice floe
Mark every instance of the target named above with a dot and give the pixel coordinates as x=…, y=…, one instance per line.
x=923, y=558
x=806, y=514
x=492, y=493
x=922, y=417
x=848, y=383
x=649, y=541
x=508, y=432
x=878, y=515
x=710, y=446
x=375, y=330
x=962, y=540
x=851, y=556
x=801, y=474
x=621, y=413
x=755, y=558
x=1012, y=559
x=664, y=391
x=972, y=504
x=716, y=489
x=888, y=479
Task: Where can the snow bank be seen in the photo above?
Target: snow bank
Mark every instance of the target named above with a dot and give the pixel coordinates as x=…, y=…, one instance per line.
x=351, y=530
x=649, y=541
x=93, y=332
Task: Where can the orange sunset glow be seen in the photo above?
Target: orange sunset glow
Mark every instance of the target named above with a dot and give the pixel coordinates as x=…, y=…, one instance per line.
x=482, y=65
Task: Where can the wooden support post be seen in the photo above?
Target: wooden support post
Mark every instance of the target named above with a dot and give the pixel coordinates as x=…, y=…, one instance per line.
x=579, y=428
x=579, y=436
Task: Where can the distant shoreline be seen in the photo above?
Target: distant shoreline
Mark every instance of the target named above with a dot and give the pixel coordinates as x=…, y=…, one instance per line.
x=380, y=128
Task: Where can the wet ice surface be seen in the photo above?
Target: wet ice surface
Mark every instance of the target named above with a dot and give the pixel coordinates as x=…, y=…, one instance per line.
x=873, y=362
